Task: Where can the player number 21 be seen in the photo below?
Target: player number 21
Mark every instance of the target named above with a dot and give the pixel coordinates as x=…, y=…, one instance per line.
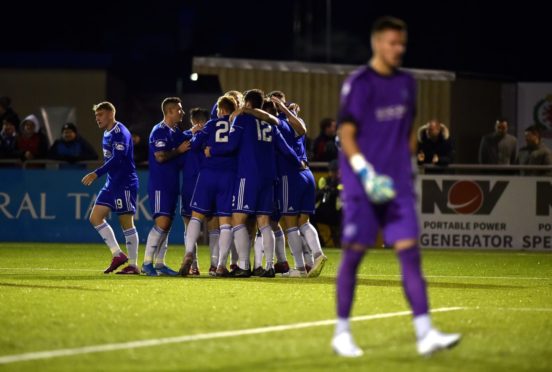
x=264, y=131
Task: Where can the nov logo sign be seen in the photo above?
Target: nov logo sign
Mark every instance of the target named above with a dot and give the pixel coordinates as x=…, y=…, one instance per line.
x=461, y=196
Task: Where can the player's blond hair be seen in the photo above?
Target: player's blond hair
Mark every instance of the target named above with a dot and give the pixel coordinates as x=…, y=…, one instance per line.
x=105, y=105
x=237, y=95
x=227, y=103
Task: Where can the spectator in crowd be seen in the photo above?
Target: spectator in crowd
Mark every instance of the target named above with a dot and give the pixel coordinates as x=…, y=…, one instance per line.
x=534, y=152
x=324, y=147
x=6, y=111
x=8, y=139
x=140, y=148
x=434, y=144
x=71, y=147
x=328, y=204
x=498, y=147
x=31, y=143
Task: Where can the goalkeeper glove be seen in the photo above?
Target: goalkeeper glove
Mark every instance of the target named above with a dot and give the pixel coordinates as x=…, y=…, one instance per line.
x=379, y=188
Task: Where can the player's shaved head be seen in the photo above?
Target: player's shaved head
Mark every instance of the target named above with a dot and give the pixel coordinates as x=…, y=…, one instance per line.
x=254, y=98
x=388, y=23
x=388, y=42
x=169, y=103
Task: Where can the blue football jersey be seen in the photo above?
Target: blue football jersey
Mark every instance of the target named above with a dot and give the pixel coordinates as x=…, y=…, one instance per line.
x=118, y=152
x=165, y=176
x=191, y=161
x=256, y=143
x=215, y=134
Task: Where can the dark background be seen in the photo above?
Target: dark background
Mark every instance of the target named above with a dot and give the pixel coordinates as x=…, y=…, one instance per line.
x=137, y=40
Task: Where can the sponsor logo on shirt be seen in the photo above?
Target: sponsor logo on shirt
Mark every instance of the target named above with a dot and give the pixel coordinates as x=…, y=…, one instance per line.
x=389, y=113
x=160, y=143
x=119, y=146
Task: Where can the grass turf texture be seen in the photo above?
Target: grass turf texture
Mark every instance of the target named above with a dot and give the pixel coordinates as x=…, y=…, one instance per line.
x=505, y=324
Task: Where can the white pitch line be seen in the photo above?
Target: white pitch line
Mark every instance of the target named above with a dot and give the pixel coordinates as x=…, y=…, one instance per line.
x=361, y=275
x=199, y=337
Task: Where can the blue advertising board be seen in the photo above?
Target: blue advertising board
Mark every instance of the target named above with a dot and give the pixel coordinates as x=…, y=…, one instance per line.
x=53, y=206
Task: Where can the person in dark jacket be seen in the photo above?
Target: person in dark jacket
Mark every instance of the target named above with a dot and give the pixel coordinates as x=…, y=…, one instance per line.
x=71, y=147
x=324, y=147
x=535, y=151
x=434, y=144
x=8, y=139
x=6, y=112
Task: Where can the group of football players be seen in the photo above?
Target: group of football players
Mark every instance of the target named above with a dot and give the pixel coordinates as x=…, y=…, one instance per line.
x=241, y=169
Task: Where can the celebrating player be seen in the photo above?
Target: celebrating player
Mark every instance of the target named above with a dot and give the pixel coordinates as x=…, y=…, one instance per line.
x=120, y=189
x=375, y=121
x=166, y=143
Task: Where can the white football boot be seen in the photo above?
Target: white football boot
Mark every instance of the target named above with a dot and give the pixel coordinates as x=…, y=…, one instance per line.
x=434, y=341
x=344, y=345
x=294, y=273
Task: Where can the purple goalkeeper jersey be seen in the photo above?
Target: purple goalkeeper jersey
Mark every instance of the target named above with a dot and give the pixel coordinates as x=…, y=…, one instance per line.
x=383, y=110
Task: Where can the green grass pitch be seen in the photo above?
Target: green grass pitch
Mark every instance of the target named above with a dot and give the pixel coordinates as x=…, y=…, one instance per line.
x=54, y=296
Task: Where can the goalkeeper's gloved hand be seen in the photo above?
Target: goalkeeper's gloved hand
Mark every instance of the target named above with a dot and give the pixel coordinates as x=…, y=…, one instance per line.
x=379, y=188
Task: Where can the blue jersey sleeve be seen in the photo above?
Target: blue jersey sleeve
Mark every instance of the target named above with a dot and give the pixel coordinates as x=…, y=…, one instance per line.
x=188, y=135
x=159, y=141
x=200, y=138
x=119, y=149
x=283, y=148
x=214, y=111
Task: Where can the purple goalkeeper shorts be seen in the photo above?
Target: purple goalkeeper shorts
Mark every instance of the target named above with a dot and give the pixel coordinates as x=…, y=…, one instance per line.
x=362, y=219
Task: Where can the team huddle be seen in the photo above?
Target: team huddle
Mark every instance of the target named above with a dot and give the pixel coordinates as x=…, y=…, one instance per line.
x=241, y=169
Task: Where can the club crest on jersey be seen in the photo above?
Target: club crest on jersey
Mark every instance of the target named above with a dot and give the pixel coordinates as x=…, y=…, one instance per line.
x=160, y=143
x=107, y=153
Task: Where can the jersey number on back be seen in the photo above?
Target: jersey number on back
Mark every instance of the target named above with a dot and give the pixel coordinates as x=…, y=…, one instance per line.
x=264, y=131
x=221, y=134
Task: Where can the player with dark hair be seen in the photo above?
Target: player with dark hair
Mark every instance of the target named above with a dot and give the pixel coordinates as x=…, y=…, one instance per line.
x=119, y=192
x=378, y=105
x=166, y=143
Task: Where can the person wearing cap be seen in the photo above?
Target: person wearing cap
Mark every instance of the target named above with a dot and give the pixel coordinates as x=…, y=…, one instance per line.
x=71, y=147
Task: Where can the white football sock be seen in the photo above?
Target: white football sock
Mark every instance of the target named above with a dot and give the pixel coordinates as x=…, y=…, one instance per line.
x=258, y=246
x=159, y=256
x=280, y=245
x=268, y=245
x=342, y=325
x=234, y=253
x=131, y=237
x=192, y=234
x=225, y=241
x=307, y=253
x=214, y=236
x=422, y=325
x=241, y=240
x=156, y=237
x=296, y=246
x=107, y=234
x=311, y=236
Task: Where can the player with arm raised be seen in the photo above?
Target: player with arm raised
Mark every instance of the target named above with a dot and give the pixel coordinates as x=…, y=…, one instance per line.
x=166, y=143
x=119, y=192
x=255, y=142
x=378, y=104
x=212, y=194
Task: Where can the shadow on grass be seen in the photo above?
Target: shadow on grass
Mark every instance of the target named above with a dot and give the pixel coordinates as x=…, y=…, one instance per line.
x=325, y=280
x=38, y=286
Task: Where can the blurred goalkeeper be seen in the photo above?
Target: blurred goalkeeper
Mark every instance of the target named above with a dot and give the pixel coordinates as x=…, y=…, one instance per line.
x=378, y=104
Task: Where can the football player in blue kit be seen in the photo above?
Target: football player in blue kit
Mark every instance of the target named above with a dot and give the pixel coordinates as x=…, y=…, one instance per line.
x=166, y=144
x=119, y=192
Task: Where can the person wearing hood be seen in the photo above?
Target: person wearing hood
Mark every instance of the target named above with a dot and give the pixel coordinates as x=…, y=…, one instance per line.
x=434, y=144
x=71, y=147
x=31, y=143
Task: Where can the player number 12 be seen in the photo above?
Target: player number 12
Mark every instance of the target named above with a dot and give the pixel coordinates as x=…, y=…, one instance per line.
x=264, y=131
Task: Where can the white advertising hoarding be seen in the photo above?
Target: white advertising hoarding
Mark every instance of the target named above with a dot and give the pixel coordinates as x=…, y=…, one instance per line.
x=485, y=212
